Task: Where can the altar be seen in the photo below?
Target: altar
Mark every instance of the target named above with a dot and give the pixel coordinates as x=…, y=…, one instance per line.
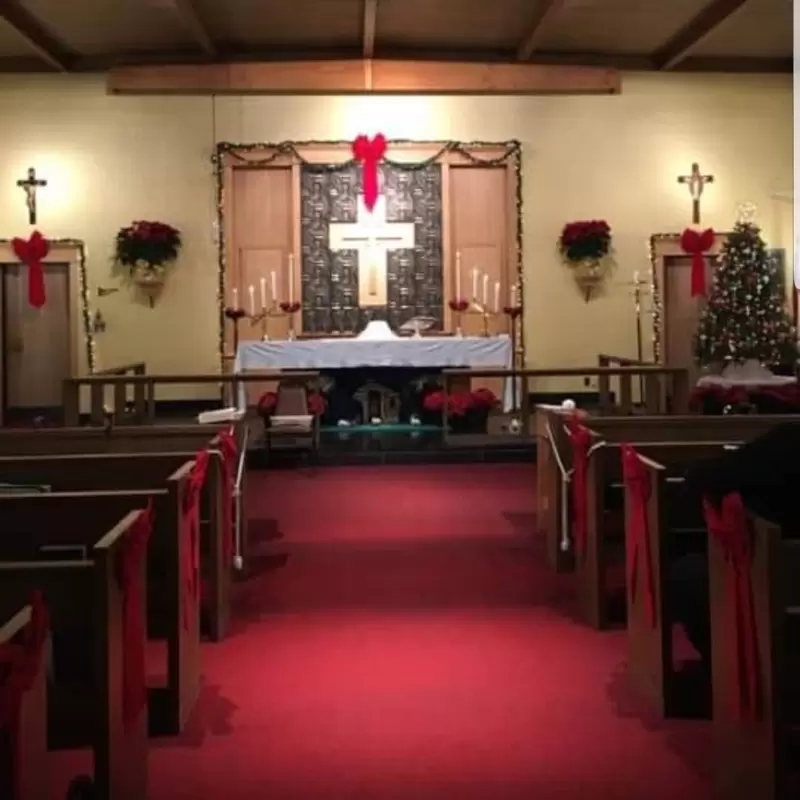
x=432, y=353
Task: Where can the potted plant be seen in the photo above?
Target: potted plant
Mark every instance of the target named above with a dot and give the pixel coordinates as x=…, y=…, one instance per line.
x=585, y=247
x=467, y=412
x=147, y=250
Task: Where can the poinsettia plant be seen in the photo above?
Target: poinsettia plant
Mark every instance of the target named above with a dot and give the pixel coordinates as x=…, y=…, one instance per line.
x=585, y=240
x=460, y=402
x=315, y=402
x=148, y=246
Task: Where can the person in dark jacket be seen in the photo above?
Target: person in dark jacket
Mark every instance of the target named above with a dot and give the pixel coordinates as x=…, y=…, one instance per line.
x=766, y=473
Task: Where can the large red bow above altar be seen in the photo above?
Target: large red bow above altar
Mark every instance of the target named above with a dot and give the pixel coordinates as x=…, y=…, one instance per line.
x=369, y=152
x=697, y=244
x=32, y=252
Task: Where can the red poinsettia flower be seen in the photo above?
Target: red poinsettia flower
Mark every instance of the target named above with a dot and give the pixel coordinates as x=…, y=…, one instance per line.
x=484, y=399
x=585, y=239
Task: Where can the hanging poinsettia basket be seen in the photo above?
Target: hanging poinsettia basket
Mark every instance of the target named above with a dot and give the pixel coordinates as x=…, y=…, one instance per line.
x=147, y=251
x=585, y=247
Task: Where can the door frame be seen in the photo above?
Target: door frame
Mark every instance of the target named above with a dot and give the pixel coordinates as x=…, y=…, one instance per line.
x=663, y=248
x=71, y=252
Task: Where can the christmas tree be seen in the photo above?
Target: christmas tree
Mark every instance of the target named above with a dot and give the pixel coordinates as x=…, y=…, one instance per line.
x=745, y=317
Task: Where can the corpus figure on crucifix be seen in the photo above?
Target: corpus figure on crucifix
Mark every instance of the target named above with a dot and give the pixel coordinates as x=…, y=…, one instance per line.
x=29, y=186
x=696, y=182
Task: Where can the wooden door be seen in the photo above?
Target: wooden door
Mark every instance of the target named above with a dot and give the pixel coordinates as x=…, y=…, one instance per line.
x=681, y=313
x=36, y=341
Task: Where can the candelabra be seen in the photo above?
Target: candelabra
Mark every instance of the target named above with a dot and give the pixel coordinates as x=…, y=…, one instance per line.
x=460, y=306
x=286, y=308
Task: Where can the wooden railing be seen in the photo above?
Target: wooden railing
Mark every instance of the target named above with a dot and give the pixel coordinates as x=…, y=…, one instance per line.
x=120, y=398
x=660, y=383
x=143, y=410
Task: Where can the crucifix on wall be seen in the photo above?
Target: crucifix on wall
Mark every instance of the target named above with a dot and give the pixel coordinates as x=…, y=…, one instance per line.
x=696, y=182
x=372, y=237
x=30, y=186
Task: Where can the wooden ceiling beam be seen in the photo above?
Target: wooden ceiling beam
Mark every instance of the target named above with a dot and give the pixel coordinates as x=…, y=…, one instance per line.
x=687, y=38
x=369, y=26
x=189, y=18
x=545, y=11
x=364, y=77
x=51, y=50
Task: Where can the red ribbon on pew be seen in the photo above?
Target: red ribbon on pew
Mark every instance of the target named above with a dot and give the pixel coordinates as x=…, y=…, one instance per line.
x=729, y=527
x=134, y=633
x=19, y=668
x=638, y=488
x=190, y=547
x=581, y=439
x=229, y=450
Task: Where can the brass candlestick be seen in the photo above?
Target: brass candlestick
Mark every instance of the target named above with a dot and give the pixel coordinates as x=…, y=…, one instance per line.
x=275, y=311
x=480, y=308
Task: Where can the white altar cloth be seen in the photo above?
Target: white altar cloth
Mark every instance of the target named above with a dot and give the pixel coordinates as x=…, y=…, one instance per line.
x=435, y=352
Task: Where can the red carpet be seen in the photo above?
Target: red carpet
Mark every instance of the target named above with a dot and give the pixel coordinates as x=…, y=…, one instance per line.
x=402, y=640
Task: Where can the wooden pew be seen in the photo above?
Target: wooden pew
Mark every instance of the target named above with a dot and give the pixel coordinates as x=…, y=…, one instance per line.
x=97, y=595
x=173, y=609
x=23, y=740
x=604, y=530
x=757, y=753
x=657, y=523
x=119, y=471
x=555, y=457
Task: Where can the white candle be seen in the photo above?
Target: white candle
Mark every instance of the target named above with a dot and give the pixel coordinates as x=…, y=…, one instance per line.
x=274, y=286
x=474, y=284
x=291, y=277
x=458, y=275
x=235, y=298
x=636, y=278
x=496, y=296
x=513, y=295
x=485, y=298
x=263, y=293
x=252, y=292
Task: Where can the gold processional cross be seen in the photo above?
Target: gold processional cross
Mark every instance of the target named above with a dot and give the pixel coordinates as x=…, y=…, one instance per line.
x=372, y=237
x=30, y=185
x=696, y=182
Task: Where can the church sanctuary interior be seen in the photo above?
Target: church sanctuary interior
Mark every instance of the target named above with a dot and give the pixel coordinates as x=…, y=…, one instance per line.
x=399, y=400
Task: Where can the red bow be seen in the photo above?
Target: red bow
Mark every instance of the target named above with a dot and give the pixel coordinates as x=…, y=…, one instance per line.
x=581, y=438
x=369, y=152
x=191, y=546
x=31, y=252
x=696, y=244
x=637, y=489
x=134, y=630
x=729, y=527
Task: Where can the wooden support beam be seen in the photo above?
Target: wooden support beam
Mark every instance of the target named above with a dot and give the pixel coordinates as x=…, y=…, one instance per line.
x=545, y=11
x=681, y=45
x=49, y=49
x=364, y=77
x=370, y=22
x=190, y=20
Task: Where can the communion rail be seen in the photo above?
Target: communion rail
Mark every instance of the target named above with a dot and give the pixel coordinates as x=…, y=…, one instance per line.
x=143, y=409
x=659, y=383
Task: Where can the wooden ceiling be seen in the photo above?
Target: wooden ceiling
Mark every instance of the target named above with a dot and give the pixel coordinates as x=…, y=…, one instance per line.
x=686, y=35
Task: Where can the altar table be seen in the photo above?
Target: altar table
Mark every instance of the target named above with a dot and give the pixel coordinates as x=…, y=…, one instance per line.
x=434, y=352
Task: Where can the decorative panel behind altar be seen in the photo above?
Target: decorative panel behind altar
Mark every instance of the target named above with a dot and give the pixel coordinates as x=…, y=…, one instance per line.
x=414, y=277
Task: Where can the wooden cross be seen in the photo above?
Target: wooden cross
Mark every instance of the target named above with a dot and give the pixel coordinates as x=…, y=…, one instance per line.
x=696, y=182
x=29, y=186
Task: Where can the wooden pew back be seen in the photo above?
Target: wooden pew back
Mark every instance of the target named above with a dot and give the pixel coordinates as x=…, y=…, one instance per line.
x=87, y=592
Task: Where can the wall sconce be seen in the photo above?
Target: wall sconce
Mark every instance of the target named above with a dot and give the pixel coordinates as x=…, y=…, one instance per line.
x=103, y=291
x=98, y=322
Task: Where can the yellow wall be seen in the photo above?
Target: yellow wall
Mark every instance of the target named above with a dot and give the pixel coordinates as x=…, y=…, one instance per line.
x=112, y=159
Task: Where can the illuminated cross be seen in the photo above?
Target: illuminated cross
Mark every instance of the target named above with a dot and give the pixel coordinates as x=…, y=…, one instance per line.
x=372, y=237
x=696, y=182
x=30, y=185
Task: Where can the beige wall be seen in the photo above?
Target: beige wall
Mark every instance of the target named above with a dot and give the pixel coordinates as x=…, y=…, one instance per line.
x=110, y=160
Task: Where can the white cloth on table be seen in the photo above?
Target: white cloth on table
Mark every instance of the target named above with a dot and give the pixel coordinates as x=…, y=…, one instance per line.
x=430, y=352
x=750, y=374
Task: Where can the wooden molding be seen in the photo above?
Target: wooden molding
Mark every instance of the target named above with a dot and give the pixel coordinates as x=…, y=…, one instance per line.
x=369, y=26
x=692, y=34
x=52, y=51
x=364, y=77
x=545, y=11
